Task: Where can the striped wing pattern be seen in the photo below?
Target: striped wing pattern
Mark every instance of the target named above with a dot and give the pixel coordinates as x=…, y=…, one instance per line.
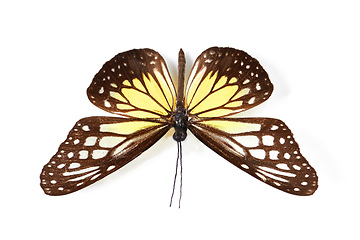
x=96, y=147
x=225, y=81
x=263, y=147
x=135, y=83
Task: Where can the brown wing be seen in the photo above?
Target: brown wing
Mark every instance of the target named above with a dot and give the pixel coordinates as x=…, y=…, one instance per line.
x=135, y=83
x=96, y=147
x=225, y=81
x=263, y=147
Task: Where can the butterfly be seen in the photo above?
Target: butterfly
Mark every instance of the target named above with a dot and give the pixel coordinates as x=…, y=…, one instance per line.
x=136, y=86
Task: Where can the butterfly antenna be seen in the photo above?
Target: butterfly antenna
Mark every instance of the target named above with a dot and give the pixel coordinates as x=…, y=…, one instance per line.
x=180, y=152
x=176, y=170
x=179, y=159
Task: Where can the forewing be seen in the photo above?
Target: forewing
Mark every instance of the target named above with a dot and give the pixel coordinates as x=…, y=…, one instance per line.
x=263, y=147
x=135, y=83
x=225, y=81
x=96, y=147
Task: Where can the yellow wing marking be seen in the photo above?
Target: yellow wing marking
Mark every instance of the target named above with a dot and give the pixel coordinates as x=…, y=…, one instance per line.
x=209, y=96
x=234, y=104
x=124, y=106
x=241, y=93
x=155, y=91
x=138, y=85
x=126, y=127
x=155, y=96
x=139, y=99
x=215, y=99
x=203, y=89
x=206, y=95
x=233, y=80
x=117, y=96
x=232, y=127
x=127, y=83
x=142, y=114
x=220, y=83
x=166, y=85
x=216, y=112
x=193, y=85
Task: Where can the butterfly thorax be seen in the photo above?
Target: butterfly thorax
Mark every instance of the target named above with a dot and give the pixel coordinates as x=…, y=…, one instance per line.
x=179, y=122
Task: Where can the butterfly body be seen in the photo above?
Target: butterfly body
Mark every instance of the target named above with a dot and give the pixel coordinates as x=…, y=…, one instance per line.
x=180, y=115
x=136, y=86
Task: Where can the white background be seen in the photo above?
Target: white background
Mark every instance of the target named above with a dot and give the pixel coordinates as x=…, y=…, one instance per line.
x=49, y=53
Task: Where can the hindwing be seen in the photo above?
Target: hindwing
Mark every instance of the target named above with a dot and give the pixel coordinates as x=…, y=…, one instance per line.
x=96, y=147
x=135, y=83
x=225, y=81
x=262, y=147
